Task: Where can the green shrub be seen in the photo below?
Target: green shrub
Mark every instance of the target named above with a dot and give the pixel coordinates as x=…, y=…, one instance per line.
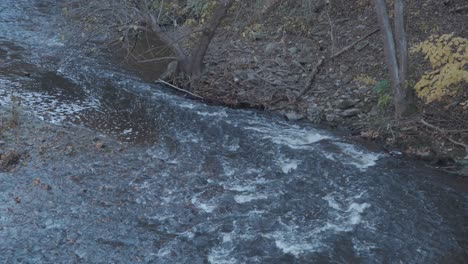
x=384, y=93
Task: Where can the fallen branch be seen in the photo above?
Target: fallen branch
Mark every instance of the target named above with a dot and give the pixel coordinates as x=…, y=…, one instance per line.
x=332, y=34
x=354, y=44
x=179, y=89
x=442, y=130
x=159, y=59
x=447, y=137
x=459, y=144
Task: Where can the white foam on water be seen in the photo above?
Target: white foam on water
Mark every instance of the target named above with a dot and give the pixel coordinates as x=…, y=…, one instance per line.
x=288, y=166
x=221, y=113
x=203, y=206
x=222, y=252
x=240, y=188
x=127, y=131
x=245, y=198
x=361, y=247
x=299, y=239
x=293, y=137
x=296, y=247
x=349, y=215
x=221, y=256
x=187, y=105
x=44, y=106
x=351, y=155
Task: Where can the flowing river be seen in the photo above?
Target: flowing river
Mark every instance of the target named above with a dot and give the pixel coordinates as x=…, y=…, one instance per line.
x=215, y=185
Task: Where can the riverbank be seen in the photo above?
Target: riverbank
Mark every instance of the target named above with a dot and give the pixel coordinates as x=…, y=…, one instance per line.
x=99, y=166
x=333, y=73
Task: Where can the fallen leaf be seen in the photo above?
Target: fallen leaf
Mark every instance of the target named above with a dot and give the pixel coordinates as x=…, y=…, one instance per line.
x=46, y=187
x=99, y=145
x=37, y=181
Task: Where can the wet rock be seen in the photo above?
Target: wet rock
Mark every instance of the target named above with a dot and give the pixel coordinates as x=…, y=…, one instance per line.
x=351, y=112
x=315, y=114
x=346, y=103
x=293, y=116
x=247, y=75
x=259, y=35
x=306, y=60
x=332, y=118
x=272, y=47
x=293, y=50
x=68, y=150
x=170, y=72
x=347, y=79
x=99, y=145
x=305, y=48
x=344, y=68
x=362, y=90
x=9, y=160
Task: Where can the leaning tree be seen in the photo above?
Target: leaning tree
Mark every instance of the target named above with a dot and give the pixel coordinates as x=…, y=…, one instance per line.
x=396, y=53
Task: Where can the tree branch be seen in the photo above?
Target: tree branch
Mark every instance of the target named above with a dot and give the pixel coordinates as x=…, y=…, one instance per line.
x=354, y=44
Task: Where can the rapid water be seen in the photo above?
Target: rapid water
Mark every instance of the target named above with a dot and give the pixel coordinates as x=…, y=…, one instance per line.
x=261, y=190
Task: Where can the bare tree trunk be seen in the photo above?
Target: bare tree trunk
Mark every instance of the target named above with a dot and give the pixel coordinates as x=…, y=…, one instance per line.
x=396, y=55
x=182, y=57
x=400, y=40
x=192, y=64
x=199, y=52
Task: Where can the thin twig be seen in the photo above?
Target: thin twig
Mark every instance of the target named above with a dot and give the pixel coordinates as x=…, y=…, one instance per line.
x=332, y=34
x=179, y=89
x=158, y=59
x=354, y=44
x=442, y=130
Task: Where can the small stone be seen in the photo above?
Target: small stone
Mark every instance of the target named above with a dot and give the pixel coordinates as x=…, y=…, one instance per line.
x=9, y=160
x=100, y=145
x=259, y=35
x=362, y=90
x=293, y=116
x=346, y=103
x=171, y=71
x=332, y=118
x=306, y=60
x=272, y=47
x=350, y=112
x=68, y=150
x=344, y=68
x=347, y=79
x=293, y=50
x=315, y=114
